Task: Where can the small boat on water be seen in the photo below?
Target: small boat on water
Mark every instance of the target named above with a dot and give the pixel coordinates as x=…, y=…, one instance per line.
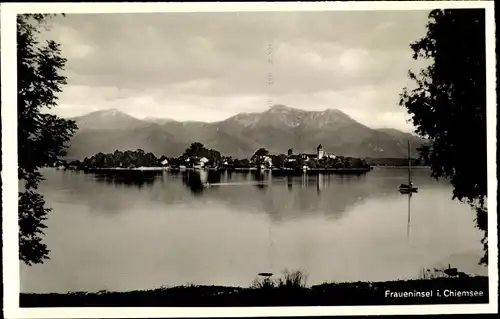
x=408, y=188
x=404, y=188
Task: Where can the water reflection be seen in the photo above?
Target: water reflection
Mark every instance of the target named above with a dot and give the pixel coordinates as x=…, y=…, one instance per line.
x=198, y=181
x=119, y=233
x=409, y=216
x=127, y=178
x=193, y=181
x=259, y=177
x=320, y=183
x=291, y=195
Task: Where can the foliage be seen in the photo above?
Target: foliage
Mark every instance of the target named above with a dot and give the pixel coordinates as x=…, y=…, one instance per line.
x=138, y=158
x=398, y=161
x=127, y=159
x=241, y=163
x=278, y=160
x=448, y=106
x=263, y=283
x=174, y=162
x=259, y=153
x=425, y=151
x=42, y=137
x=289, y=280
x=199, y=150
x=326, y=294
x=293, y=279
x=297, y=163
x=314, y=163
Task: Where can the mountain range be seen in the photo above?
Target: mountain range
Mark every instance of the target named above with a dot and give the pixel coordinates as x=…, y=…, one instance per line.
x=276, y=129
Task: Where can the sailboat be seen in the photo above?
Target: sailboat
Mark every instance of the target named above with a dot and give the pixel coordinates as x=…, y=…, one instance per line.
x=408, y=188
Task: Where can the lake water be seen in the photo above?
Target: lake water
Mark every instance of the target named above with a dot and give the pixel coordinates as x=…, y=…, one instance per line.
x=125, y=234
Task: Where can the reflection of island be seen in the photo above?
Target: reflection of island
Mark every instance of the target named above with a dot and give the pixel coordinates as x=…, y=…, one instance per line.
x=326, y=194
x=320, y=183
x=259, y=176
x=127, y=178
x=193, y=180
x=316, y=193
x=199, y=179
x=291, y=196
x=204, y=180
x=102, y=193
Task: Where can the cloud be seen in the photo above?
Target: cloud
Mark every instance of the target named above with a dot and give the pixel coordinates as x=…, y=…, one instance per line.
x=207, y=66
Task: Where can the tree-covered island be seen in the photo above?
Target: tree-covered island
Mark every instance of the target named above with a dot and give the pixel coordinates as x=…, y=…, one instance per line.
x=197, y=156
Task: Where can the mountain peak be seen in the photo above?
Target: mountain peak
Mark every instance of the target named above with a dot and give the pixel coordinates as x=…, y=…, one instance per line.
x=107, y=120
x=112, y=110
x=329, y=110
x=108, y=113
x=278, y=128
x=158, y=120
x=280, y=107
x=284, y=108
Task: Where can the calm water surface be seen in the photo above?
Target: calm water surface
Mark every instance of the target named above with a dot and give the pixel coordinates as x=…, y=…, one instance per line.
x=120, y=234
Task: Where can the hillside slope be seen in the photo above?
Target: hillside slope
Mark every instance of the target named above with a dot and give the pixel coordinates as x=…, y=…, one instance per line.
x=276, y=129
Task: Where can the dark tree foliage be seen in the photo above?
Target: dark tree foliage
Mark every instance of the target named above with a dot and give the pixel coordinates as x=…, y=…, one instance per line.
x=245, y=162
x=197, y=149
x=260, y=152
x=278, y=160
x=425, y=152
x=448, y=106
x=42, y=137
x=127, y=159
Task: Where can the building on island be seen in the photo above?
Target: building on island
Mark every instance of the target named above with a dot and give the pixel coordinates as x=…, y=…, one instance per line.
x=321, y=151
x=266, y=161
x=196, y=162
x=263, y=161
x=320, y=154
x=293, y=159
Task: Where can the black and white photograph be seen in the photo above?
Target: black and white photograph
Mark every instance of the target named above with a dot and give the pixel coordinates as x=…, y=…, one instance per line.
x=248, y=155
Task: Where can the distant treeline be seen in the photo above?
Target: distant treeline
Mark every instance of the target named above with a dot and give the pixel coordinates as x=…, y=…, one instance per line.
x=395, y=161
x=198, y=155
x=126, y=159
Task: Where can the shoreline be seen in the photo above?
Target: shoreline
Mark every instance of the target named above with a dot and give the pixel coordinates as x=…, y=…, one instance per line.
x=159, y=169
x=400, y=292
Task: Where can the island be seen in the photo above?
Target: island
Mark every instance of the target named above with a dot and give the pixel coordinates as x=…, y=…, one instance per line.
x=197, y=156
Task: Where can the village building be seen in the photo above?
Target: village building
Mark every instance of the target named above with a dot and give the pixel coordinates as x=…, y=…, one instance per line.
x=320, y=154
x=200, y=162
x=267, y=160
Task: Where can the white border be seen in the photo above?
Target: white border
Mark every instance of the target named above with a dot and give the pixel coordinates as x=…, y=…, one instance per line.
x=9, y=151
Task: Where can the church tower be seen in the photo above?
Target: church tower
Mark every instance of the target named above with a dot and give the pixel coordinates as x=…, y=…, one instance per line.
x=321, y=152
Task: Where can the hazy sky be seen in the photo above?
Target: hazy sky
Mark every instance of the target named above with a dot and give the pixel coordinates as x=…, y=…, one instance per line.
x=209, y=66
